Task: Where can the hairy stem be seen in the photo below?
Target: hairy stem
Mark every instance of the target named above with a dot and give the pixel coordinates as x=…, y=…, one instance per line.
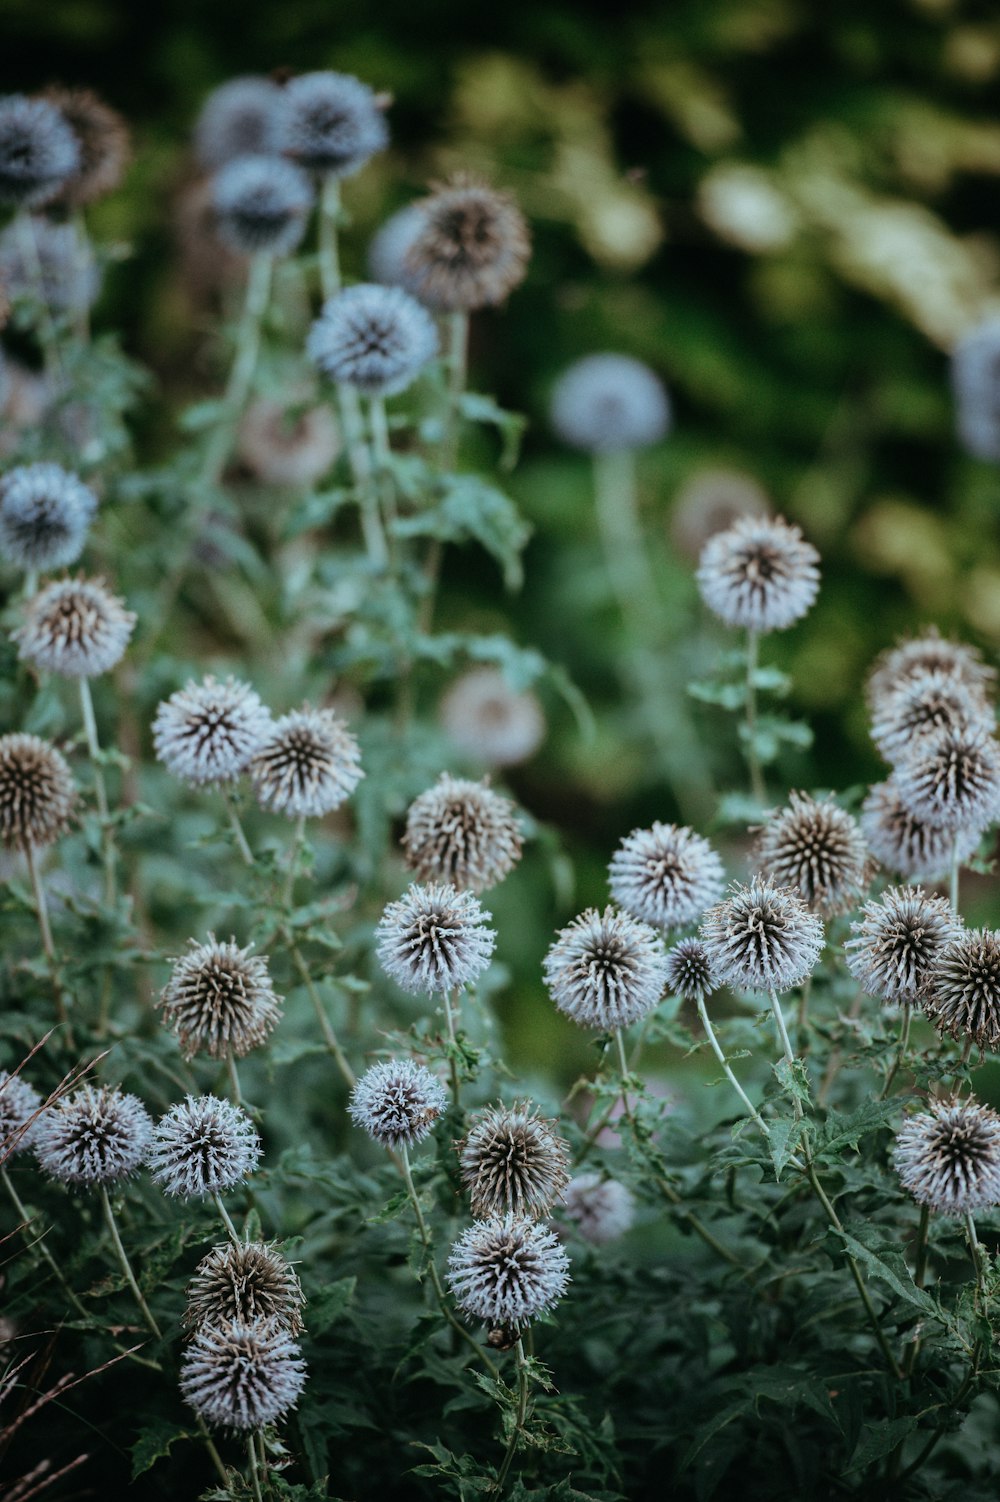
x=126, y=1266
x=242, y=846
x=753, y=758
x=452, y=1061
x=519, y=1420
x=904, y=1039
x=107, y=831
x=227, y=1220
x=329, y=1036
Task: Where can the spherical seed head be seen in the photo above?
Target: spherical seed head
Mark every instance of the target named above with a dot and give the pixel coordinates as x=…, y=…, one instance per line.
x=243, y=1283
x=762, y=937
x=54, y=269
x=489, y=721
x=203, y=1146
x=45, y=513
x=462, y=832
x=760, y=574
x=102, y=138
x=975, y=381
x=375, y=338
x=605, y=404
x=606, y=970
x=38, y=151
x=711, y=501
x=927, y=704
x=242, y=1376
x=952, y=779
x=815, y=848
x=390, y=244
x=207, y=732
x=309, y=764
x=261, y=205
x=905, y=844
x=397, y=1102
x=20, y=1104
x=899, y=942
x=76, y=628
x=283, y=445
x=948, y=1158
x=240, y=118
x=506, y=1271
x=94, y=1136
x=689, y=971
x=472, y=248
x=961, y=989
x=929, y=653
x=666, y=875
x=513, y=1162
x=219, y=1000
x=601, y=1209
x=37, y=792
x=331, y=123
x=434, y=939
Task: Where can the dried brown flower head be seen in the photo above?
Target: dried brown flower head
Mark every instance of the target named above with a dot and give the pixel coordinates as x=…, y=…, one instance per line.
x=462, y=832
x=244, y=1282
x=513, y=1162
x=814, y=847
x=103, y=138
x=961, y=992
x=219, y=1000
x=472, y=247
x=37, y=791
x=928, y=653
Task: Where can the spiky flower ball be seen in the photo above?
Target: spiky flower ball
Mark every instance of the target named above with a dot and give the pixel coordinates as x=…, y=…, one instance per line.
x=434, y=939
x=906, y=844
x=605, y=404
x=103, y=141
x=261, y=205
x=506, y=1271
x=244, y=1282
x=94, y=1136
x=471, y=249
x=927, y=653
x=52, y=268
x=512, y=1161
x=462, y=832
x=388, y=248
x=45, y=513
x=202, y=1146
x=20, y=1104
x=948, y=1158
x=309, y=764
x=397, y=1102
x=601, y=1209
x=952, y=779
x=762, y=938
x=816, y=849
x=666, y=875
x=925, y=705
x=377, y=339
x=489, y=721
x=975, y=364
x=760, y=574
x=239, y=118
x=38, y=151
x=689, y=971
x=219, y=1000
x=242, y=1376
x=961, y=990
x=899, y=942
x=207, y=732
x=330, y=123
x=37, y=792
x=76, y=628
x=606, y=970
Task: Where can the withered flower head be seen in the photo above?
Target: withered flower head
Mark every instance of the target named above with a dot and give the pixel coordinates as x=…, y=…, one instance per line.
x=244, y=1282
x=513, y=1162
x=815, y=848
x=908, y=845
x=103, y=139
x=37, y=792
x=471, y=249
x=899, y=941
x=948, y=1158
x=924, y=705
x=219, y=1000
x=961, y=991
x=462, y=832
x=927, y=653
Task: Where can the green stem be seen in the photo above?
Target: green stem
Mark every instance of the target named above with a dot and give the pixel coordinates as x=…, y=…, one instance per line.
x=910, y=1360
x=214, y=1455
x=458, y=368
x=329, y=224
x=237, y=828
x=254, y=1473
x=752, y=1111
x=452, y=1060
x=227, y=1220
x=953, y=883
x=897, y=1063
x=753, y=759
x=293, y=860
x=46, y=326
x=42, y=911
x=779, y=1022
x=242, y=370
x=100, y=789
x=234, y=1079
x=382, y=461
x=329, y=1036
x=975, y=1253
x=522, y=1414
x=126, y=1266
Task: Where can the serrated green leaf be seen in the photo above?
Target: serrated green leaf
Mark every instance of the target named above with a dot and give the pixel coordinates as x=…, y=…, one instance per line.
x=327, y=1306
x=154, y=1443
x=783, y=1135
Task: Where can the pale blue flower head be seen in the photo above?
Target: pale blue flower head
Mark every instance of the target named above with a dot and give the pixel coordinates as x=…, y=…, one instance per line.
x=242, y=1376
x=397, y=1102
x=975, y=381
x=377, y=339
x=390, y=245
x=20, y=1104
x=506, y=1270
x=53, y=269
x=434, y=939
x=667, y=875
x=261, y=205
x=948, y=1158
x=330, y=123
x=606, y=970
x=762, y=938
x=608, y=403
x=95, y=1136
x=203, y=1145
x=759, y=574
x=45, y=513
x=239, y=118
x=38, y=150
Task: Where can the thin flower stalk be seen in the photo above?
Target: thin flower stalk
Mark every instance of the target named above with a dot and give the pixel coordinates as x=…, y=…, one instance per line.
x=48, y=338
x=100, y=790
x=125, y=1265
x=519, y=1418
x=757, y=786
x=235, y=824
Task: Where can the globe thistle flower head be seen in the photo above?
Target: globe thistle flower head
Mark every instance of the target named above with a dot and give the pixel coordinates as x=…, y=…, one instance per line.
x=762, y=938
x=397, y=1102
x=928, y=653
x=203, y=1146
x=45, y=513
x=242, y=1376
x=20, y=1104
x=816, y=849
x=711, y=501
x=390, y=245
x=94, y=1136
x=288, y=445
x=434, y=939
x=239, y=118
x=54, y=270
x=374, y=338
x=472, y=248
x=37, y=792
x=309, y=764
x=240, y=1283
x=601, y=1209
x=666, y=875
x=102, y=138
x=331, y=123
x=975, y=383
x=606, y=970
x=38, y=151
x=462, y=833
x=905, y=844
x=689, y=971
x=76, y=628
x=606, y=404
x=506, y=1271
x=261, y=205
x=927, y=704
x=490, y=722
x=760, y=574
x=206, y=733
x=961, y=989
x=899, y=941
x=219, y=1000
x=513, y=1162
x=952, y=779
x=948, y=1157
